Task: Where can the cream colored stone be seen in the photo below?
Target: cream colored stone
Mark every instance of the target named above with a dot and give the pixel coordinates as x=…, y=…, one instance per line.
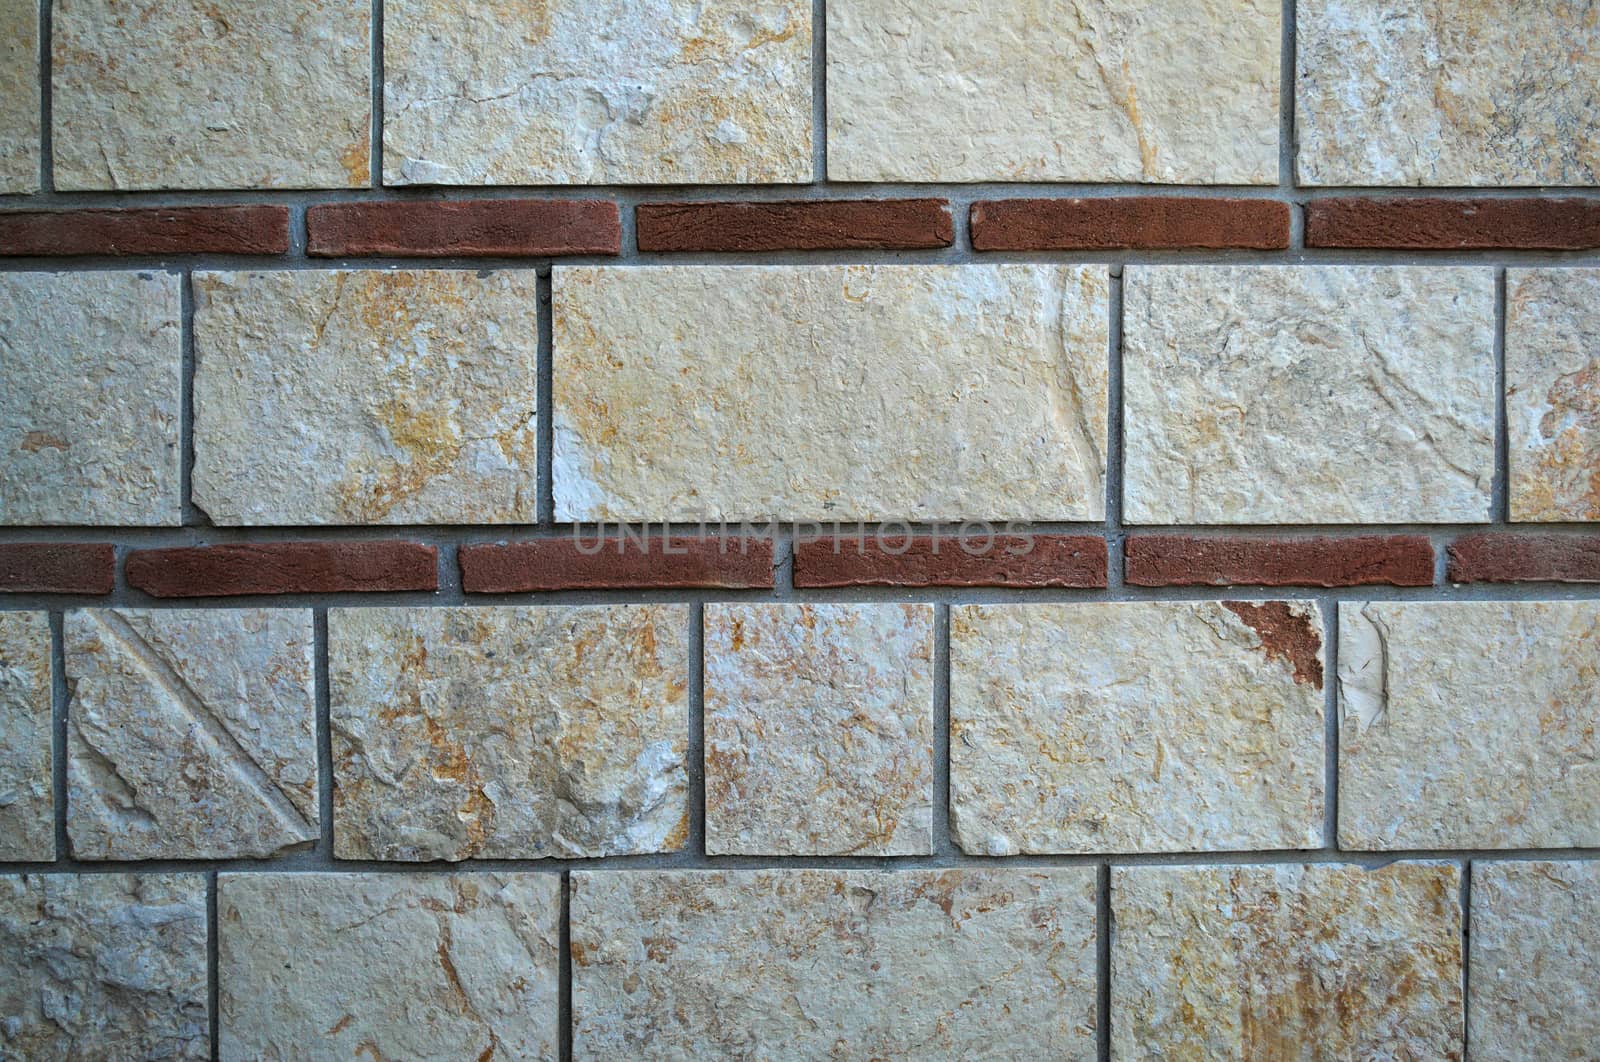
x=1136, y=727
x=830, y=392
x=1553, y=393
x=212, y=93
x=509, y=733
x=596, y=92
x=27, y=801
x=191, y=733
x=1308, y=394
x=768, y=964
x=819, y=729
x=1469, y=724
x=1491, y=92
x=1275, y=962
x=366, y=397
x=103, y=966
x=89, y=411
x=19, y=88
x=1173, y=91
x=1535, y=961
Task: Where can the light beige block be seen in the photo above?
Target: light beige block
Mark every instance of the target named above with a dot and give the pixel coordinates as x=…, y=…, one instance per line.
x=27, y=799
x=19, y=88
x=1553, y=393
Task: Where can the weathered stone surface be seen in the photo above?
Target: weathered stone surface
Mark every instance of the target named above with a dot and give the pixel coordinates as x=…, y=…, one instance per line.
x=1175, y=91
x=1269, y=962
x=1553, y=393
x=366, y=396
x=388, y=965
x=103, y=966
x=190, y=733
x=823, y=963
x=1469, y=724
x=1405, y=92
x=19, y=87
x=1148, y=727
x=1308, y=394
x=830, y=392
x=586, y=92
x=512, y=733
x=1535, y=961
x=89, y=410
x=196, y=94
x=819, y=729
x=27, y=801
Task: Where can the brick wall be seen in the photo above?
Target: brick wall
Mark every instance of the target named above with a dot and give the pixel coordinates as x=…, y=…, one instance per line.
x=799, y=529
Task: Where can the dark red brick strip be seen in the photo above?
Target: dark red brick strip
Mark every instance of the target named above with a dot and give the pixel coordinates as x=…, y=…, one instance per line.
x=975, y=560
x=1133, y=222
x=57, y=568
x=1501, y=557
x=617, y=563
x=513, y=228
x=831, y=225
x=1185, y=560
x=161, y=230
x=1415, y=224
x=284, y=568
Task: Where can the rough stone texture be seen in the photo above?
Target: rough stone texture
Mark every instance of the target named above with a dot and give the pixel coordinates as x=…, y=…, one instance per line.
x=284, y=568
x=89, y=410
x=1469, y=724
x=593, y=562
x=388, y=966
x=1121, y=222
x=1276, y=962
x=1414, y=223
x=1491, y=557
x=803, y=225
x=1535, y=961
x=1135, y=727
x=57, y=568
x=495, y=227
x=103, y=966
x=596, y=92
x=684, y=392
x=1308, y=394
x=19, y=87
x=509, y=733
x=211, y=93
x=819, y=729
x=191, y=733
x=167, y=230
x=762, y=964
x=1190, y=560
x=27, y=801
x=1172, y=91
x=1553, y=393
x=975, y=559
x=366, y=397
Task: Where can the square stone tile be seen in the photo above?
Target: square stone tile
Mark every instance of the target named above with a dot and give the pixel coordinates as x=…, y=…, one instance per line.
x=27, y=796
x=19, y=87
x=1553, y=393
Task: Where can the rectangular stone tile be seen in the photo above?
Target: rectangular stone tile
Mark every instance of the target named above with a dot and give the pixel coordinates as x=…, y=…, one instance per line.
x=196, y=94
x=1405, y=92
x=104, y=966
x=1271, y=962
x=27, y=799
x=191, y=733
x=1469, y=724
x=825, y=963
x=819, y=729
x=366, y=397
x=509, y=733
x=1308, y=394
x=89, y=412
x=1171, y=91
x=1553, y=393
x=596, y=92
x=19, y=87
x=1136, y=727
x=830, y=392
x=388, y=966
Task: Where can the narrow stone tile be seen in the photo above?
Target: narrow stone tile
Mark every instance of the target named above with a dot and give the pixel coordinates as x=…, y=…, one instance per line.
x=19, y=87
x=27, y=798
x=1553, y=393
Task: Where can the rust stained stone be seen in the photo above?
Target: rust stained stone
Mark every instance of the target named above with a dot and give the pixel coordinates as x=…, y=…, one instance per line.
x=507, y=227
x=1286, y=634
x=57, y=568
x=1454, y=224
x=284, y=568
x=571, y=563
x=257, y=230
x=1494, y=557
x=838, y=224
x=1129, y=222
x=1185, y=560
x=1004, y=560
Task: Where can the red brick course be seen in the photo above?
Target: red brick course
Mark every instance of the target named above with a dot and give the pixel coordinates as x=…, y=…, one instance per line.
x=57, y=568
x=816, y=225
x=1184, y=560
x=533, y=228
x=1418, y=224
x=1502, y=557
x=616, y=563
x=1131, y=222
x=284, y=568
x=1049, y=560
x=162, y=230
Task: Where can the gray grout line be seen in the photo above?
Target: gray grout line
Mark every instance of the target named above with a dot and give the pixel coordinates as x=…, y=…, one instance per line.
x=1102, y=952
x=1330, y=721
x=213, y=974
x=545, y=400
x=1116, y=434
x=819, y=91
x=190, y=514
x=695, y=756
x=1466, y=957
x=47, y=149
x=564, y=969
x=1501, y=490
x=324, y=732
x=58, y=734
x=376, y=120
x=943, y=839
x=1286, y=78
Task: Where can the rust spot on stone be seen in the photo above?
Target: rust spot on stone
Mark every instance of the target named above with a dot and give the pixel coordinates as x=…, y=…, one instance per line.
x=35, y=441
x=1285, y=635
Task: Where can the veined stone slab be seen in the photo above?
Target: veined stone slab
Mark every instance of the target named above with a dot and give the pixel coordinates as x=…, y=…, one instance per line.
x=1308, y=394
x=366, y=397
x=1175, y=91
x=89, y=411
x=388, y=965
x=27, y=799
x=1406, y=92
x=814, y=963
x=1136, y=727
x=819, y=729
x=197, y=94
x=1553, y=393
x=509, y=733
x=1469, y=724
x=597, y=92
x=191, y=733
x=830, y=392
x=19, y=87
x=105, y=966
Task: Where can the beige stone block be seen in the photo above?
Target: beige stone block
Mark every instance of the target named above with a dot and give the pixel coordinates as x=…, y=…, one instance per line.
x=27, y=799
x=1553, y=393
x=19, y=88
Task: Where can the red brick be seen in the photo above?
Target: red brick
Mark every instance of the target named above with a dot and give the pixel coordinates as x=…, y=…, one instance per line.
x=57, y=568
x=1500, y=557
x=831, y=225
x=616, y=563
x=975, y=560
x=533, y=228
x=284, y=568
x=162, y=230
x=1185, y=560
x=1454, y=224
x=1132, y=222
